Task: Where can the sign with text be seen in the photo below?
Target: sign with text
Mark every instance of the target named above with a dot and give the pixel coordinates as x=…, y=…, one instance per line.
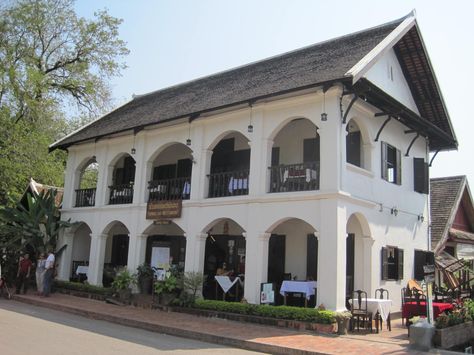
x=429, y=269
x=163, y=209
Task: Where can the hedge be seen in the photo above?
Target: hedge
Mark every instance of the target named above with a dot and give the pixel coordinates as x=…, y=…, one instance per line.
x=77, y=286
x=278, y=312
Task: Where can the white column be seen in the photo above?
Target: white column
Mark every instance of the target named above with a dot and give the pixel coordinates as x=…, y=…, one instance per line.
x=66, y=256
x=69, y=181
x=96, y=259
x=198, y=173
x=330, y=145
x=260, y=156
x=332, y=256
x=102, y=178
x=367, y=269
x=199, y=179
x=199, y=252
x=136, y=251
x=256, y=265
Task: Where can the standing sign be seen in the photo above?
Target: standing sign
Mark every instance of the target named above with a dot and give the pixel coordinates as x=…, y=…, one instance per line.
x=267, y=294
x=429, y=271
x=160, y=259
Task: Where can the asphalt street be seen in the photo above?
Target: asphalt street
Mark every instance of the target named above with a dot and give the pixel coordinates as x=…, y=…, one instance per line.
x=26, y=329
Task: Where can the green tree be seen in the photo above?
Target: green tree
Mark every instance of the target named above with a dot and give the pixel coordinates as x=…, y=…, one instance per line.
x=55, y=69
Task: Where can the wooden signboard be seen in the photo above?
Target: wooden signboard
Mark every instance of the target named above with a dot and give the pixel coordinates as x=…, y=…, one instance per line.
x=159, y=210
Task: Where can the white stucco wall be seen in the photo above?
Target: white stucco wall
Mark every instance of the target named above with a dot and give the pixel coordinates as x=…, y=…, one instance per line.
x=344, y=191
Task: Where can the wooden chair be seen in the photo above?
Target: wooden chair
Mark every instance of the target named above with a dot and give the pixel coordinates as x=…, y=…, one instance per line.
x=382, y=294
x=359, y=310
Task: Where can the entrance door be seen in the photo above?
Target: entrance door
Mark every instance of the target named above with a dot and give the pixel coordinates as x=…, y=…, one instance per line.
x=349, y=265
x=119, y=250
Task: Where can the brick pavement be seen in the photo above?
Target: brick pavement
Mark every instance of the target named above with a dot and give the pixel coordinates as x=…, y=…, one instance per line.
x=243, y=335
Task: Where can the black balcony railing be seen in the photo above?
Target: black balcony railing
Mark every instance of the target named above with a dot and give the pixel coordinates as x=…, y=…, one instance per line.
x=169, y=189
x=232, y=183
x=85, y=197
x=120, y=194
x=294, y=177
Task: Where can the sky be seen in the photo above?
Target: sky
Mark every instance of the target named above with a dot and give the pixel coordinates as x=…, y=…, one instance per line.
x=174, y=41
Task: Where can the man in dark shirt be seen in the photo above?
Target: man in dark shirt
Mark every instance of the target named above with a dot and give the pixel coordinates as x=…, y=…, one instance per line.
x=23, y=274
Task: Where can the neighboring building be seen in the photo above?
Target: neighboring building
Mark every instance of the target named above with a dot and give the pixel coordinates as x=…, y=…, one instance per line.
x=452, y=227
x=313, y=163
x=36, y=187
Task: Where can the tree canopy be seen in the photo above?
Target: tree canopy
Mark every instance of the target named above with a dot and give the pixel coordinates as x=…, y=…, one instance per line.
x=55, y=69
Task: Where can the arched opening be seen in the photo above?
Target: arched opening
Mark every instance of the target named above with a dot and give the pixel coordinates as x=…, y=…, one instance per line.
x=116, y=251
x=123, y=178
x=87, y=185
x=230, y=166
x=354, y=150
x=295, y=157
x=293, y=256
x=80, y=253
x=224, y=261
x=171, y=174
x=358, y=255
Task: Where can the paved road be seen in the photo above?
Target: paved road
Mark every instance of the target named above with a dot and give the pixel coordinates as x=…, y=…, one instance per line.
x=26, y=329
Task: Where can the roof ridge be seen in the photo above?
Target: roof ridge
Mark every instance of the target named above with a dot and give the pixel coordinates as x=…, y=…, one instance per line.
x=454, y=177
x=334, y=39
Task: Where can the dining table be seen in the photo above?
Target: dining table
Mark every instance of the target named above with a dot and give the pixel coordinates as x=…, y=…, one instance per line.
x=306, y=287
x=412, y=309
x=378, y=307
x=226, y=283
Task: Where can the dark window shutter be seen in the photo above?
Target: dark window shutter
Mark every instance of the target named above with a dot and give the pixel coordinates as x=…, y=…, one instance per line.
x=275, y=156
x=311, y=150
x=398, y=172
x=421, y=175
x=184, y=168
x=384, y=161
x=400, y=263
x=312, y=257
x=384, y=254
x=353, y=148
x=419, y=262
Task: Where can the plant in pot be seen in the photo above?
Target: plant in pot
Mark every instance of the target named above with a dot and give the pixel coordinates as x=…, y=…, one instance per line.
x=166, y=289
x=342, y=319
x=122, y=284
x=145, y=274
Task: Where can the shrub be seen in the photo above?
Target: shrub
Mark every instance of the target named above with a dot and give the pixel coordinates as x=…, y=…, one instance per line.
x=464, y=314
x=123, y=280
x=278, y=312
x=77, y=286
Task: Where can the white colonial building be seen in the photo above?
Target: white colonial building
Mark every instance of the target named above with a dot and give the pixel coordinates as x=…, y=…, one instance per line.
x=313, y=163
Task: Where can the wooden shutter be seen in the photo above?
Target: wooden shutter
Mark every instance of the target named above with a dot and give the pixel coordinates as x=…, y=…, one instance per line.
x=353, y=148
x=311, y=257
x=419, y=262
x=420, y=175
x=398, y=171
x=384, y=254
x=400, y=263
x=384, y=161
x=275, y=156
x=184, y=168
x=311, y=150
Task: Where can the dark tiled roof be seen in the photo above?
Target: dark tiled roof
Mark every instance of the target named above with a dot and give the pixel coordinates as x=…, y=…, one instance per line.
x=445, y=194
x=324, y=62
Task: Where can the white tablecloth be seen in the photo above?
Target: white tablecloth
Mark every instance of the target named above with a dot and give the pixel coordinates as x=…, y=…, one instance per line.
x=375, y=305
x=306, y=287
x=82, y=269
x=225, y=282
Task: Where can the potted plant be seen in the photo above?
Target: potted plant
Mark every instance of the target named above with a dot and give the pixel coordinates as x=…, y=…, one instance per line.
x=166, y=289
x=342, y=319
x=145, y=275
x=122, y=284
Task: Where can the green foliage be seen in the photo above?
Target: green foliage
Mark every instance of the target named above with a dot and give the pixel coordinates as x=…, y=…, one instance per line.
x=124, y=280
x=36, y=225
x=278, y=312
x=77, y=286
x=168, y=285
x=458, y=316
x=144, y=271
x=89, y=176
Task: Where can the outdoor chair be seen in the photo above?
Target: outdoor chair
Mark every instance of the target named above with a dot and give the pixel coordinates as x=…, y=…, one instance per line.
x=359, y=310
x=382, y=294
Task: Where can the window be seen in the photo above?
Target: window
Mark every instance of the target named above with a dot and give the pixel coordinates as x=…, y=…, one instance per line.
x=421, y=175
x=391, y=164
x=422, y=258
x=392, y=263
x=353, y=144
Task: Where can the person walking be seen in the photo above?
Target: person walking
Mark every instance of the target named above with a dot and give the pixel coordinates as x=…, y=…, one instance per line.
x=23, y=273
x=48, y=274
x=40, y=268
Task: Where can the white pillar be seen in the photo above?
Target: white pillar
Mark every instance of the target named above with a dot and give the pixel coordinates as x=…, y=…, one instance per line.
x=198, y=252
x=66, y=256
x=260, y=156
x=256, y=264
x=199, y=179
x=367, y=269
x=69, y=181
x=332, y=256
x=102, y=178
x=136, y=251
x=198, y=172
x=96, y=259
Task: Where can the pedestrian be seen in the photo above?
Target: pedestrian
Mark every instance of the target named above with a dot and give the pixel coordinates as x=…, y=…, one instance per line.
x=23, y=273
x=40, y=268
x=48, y=273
